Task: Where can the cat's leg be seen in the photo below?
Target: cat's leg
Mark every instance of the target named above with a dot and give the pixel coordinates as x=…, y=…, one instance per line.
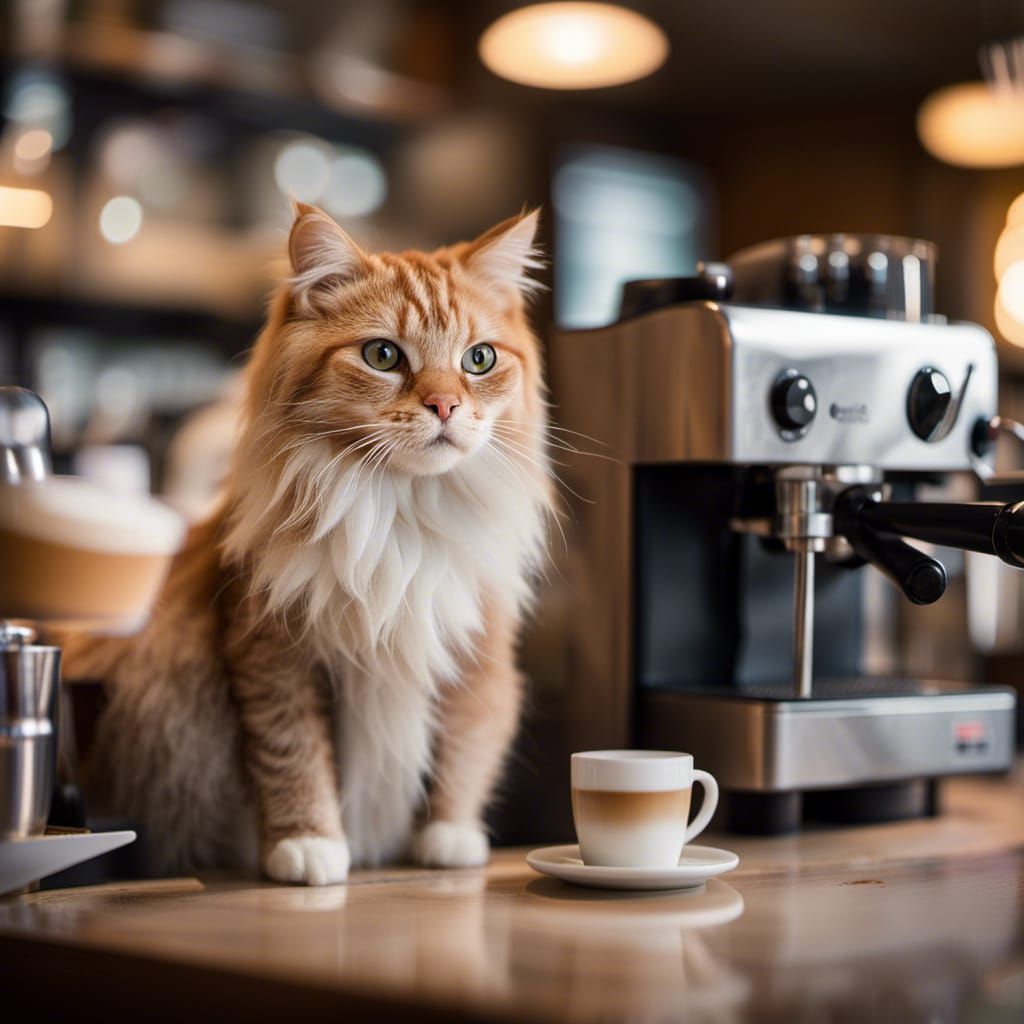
x=289, y=759
x=477, y=723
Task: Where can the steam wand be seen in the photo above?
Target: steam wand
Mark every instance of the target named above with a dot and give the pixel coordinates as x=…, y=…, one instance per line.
x=804, y=528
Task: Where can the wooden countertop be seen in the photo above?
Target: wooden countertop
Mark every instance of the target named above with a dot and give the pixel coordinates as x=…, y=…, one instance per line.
x=905, y=922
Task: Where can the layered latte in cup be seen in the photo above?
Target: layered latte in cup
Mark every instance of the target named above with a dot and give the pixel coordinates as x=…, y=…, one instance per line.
x=631, y=807
x=72, y=553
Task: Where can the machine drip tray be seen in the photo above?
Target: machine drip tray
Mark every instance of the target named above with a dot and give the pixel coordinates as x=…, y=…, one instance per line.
x=857, y=750
x=780, y=813
x=846, y=689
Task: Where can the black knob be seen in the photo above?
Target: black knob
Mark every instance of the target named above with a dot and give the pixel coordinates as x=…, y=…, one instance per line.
x=794, y=402
x=927, y=402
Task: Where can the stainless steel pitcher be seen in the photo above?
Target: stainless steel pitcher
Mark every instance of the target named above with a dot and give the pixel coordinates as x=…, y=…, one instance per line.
x=29, y=685
x=29, y=672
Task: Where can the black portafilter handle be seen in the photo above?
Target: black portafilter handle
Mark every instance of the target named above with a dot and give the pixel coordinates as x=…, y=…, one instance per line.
x=921, y=577
x=989, y=527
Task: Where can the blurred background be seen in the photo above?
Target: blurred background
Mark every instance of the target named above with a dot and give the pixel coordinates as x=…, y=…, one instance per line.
x=148, y=149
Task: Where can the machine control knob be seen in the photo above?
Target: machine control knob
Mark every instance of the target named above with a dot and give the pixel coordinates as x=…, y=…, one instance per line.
x=794, y=403
x=928, y=401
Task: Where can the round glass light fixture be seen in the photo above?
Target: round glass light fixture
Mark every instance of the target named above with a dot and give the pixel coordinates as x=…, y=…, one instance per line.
x=973, y=125
x=1009, y=248
x=1009, y=327
x=1011, y=291
x=1015, y=214
x=120, y=219
x=356, y=185
x=301, y=170
x=36, y=99
x=573, y=46
x=1009, y=269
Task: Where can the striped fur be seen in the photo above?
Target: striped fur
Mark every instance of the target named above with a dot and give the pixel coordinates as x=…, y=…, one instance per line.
x=330, y=674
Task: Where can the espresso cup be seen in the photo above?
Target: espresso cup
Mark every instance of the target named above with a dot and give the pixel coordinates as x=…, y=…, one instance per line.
x=631, y=807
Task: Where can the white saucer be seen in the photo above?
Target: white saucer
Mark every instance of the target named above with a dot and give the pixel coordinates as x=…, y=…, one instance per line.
x=695, y=867
x=23, y=861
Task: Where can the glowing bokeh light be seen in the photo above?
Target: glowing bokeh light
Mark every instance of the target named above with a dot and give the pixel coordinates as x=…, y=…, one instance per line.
x=301, y=171
x=356, y=185
x=120, y=219
x=38, y=100
x=1009, y=271
x=24, y=207
x=33, y=144
x=972, y=125
x=1009, y=249
x=1015, y=214
x=573, y=46
x=32, y=151
x=1011, y=291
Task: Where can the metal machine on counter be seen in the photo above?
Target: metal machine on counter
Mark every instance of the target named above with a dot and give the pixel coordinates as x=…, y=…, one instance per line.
x=768, y=424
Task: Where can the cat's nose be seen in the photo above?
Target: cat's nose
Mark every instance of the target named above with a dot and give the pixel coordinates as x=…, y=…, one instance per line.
x=443, y=405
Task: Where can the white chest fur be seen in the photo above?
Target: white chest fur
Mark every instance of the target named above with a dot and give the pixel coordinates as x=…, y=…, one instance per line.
x=392, y=582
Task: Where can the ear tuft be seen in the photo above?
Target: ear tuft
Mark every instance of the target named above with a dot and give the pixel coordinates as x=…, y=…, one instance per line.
x=321, y=254
x=504, y=255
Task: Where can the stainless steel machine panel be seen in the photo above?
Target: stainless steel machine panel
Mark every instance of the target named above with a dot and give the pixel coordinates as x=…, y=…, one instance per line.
x=694, y=382
x=862, y=373
x=784, y=745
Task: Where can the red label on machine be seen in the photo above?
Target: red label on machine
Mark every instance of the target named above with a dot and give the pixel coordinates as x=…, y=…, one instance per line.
x=970, y=736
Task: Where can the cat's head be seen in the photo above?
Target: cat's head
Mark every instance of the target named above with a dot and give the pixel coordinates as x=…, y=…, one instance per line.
x=407, y=360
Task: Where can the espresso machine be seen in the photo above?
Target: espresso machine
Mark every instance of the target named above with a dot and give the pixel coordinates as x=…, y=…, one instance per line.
x=762, y=431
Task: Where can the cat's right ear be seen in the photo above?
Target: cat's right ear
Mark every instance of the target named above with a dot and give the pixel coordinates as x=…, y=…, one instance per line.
x=321, y=255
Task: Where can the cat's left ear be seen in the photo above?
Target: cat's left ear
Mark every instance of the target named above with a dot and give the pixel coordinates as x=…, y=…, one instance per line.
x=504, y=256
x=321, y=254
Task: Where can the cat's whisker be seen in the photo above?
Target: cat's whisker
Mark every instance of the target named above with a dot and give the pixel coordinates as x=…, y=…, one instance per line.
x=309, y=438
x=367, y=460
x=550, y=443
x=546, y=468
x=313, y=491
x=554, y=442
x=554, y=428
x=526, y=452
x=356, y=446
x=378, y=461
x=496, y=448
x=302, y=442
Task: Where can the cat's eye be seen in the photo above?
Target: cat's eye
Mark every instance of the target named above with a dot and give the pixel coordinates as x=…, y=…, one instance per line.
x=382, y=354
x=479, y=359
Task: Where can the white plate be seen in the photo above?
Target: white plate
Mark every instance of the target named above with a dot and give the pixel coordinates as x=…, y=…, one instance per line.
x=26, y=860
x=695, y=867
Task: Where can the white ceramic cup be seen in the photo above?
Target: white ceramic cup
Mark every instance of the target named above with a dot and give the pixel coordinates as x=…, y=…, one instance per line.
x=631, y=806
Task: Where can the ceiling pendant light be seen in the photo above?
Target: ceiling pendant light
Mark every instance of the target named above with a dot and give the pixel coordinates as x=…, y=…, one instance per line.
x=970, y=125
x=979, y=124
x=1009, y=268
x=573, y=46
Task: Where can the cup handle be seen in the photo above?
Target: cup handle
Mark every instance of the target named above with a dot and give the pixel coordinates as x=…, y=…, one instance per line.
x=709, y=806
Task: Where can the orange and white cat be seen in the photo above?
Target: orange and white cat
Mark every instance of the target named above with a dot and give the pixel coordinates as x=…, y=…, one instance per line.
x=329, y=677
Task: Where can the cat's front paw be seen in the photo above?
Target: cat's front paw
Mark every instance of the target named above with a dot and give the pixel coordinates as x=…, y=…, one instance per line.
x=308, y=860
x=450, y=844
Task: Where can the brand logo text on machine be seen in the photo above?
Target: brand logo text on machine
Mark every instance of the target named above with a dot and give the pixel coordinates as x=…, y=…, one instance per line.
x=855, y=412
